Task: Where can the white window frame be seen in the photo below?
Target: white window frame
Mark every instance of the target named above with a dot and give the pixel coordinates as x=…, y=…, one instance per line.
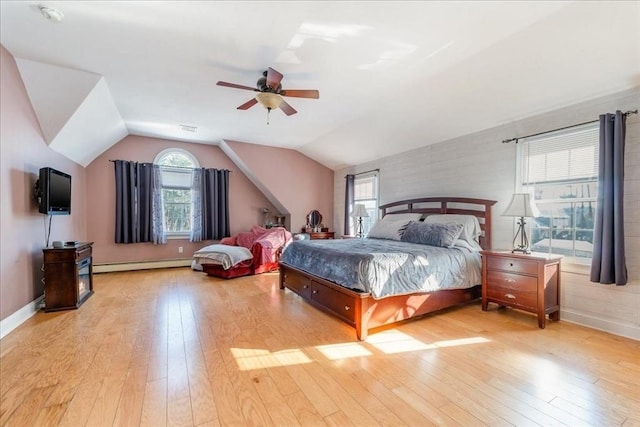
x=176, y=170
x=542, y=203
x=371, y=204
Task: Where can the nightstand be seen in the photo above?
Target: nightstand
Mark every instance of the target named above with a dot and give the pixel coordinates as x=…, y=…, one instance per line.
x=526, y=282
x=321, y=235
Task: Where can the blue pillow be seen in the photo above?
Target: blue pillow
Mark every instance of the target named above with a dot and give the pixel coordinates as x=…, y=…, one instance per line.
x=442, y=235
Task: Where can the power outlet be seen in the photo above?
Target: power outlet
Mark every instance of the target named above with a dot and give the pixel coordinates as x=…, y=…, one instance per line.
x=180, y=249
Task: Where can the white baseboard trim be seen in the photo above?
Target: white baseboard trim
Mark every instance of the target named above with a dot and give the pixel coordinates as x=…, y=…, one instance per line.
x=16, y=319
x=142, y=265
x=627, y=331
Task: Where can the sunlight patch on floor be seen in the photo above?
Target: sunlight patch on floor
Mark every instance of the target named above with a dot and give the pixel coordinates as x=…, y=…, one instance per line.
x=461, y=341
x=390, y=342
x=343, y=350
x=252, y=358
x=397, y=342
x=547, y=372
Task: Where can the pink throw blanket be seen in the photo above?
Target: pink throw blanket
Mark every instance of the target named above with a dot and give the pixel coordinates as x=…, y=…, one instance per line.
x=270, y=240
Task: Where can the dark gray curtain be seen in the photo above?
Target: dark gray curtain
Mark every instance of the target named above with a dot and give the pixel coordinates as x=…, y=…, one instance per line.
x=214, y=195
x=348, y=202
x=608, y=264
x=134, y=201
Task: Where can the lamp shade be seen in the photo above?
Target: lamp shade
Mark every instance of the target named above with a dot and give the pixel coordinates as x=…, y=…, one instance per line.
x=269, y=100
x=359, y=211
x=522, y=205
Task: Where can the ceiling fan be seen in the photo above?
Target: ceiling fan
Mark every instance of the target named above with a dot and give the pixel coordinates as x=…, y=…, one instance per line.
x=271, y=93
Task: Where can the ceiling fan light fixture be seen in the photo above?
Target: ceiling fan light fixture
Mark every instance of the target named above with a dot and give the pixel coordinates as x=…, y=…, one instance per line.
x=269, y=100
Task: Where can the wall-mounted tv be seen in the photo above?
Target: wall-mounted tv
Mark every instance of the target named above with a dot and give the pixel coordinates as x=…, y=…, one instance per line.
x=53, y=192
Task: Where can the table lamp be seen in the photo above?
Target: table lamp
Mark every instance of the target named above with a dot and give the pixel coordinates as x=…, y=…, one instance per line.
x=359, y=212
x=522, y=206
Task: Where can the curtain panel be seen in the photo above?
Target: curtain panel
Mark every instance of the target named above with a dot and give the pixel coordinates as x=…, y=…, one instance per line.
x=348, y=202
x=608, y=264
x=210, y=214
x=136, y=185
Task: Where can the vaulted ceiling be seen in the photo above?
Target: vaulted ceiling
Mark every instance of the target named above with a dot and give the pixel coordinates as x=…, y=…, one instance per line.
x=392, y=76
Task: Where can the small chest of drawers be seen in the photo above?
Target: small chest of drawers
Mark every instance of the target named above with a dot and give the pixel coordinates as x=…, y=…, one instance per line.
x=322, y=235
x=528, y=282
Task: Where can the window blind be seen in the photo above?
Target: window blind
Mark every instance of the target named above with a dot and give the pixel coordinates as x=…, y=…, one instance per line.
x=566, y=156
x=177, y=178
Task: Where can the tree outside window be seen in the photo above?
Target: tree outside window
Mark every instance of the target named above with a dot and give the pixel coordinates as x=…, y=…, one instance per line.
x=177, y=189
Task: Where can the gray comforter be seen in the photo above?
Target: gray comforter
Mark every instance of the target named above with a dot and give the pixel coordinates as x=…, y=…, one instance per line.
x=385, y=267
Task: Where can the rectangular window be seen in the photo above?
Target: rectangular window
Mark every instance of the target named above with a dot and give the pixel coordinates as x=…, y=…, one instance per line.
x=177, y=210
x=366, y=192
x=561, y=170
x=177, y=200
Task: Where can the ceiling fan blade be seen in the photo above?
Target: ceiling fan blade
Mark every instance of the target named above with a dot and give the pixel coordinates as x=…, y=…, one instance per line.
x=287, y=109
x=301, y=93
x=273, y=78
x=250, y=103
x=235, y=86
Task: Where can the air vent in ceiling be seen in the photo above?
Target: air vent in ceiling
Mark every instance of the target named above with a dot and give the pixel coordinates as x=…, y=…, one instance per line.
x=187, y=128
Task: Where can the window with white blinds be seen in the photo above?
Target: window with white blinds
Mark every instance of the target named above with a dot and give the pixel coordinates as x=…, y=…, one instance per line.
x=365, y=191
x=561, y=170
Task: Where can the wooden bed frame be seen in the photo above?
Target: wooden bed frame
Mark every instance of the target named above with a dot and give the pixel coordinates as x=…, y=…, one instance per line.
x=360, y=309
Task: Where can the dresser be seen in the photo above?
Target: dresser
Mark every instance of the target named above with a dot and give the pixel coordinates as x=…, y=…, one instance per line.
x=322, y=235
x=529, y=282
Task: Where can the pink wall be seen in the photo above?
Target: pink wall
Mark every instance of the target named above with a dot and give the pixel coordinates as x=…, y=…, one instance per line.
x=298, y=182
x=23, y=152
x=245, y=200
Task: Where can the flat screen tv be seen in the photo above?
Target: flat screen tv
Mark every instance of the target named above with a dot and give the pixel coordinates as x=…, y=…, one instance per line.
x=53, y=192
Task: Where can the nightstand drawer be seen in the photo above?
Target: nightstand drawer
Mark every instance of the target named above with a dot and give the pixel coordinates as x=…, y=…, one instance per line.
x=512, y=282
x=526, y=300
x=520, y=266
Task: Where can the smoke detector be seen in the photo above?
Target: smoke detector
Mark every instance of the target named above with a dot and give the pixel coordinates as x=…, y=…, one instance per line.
x=53, y=15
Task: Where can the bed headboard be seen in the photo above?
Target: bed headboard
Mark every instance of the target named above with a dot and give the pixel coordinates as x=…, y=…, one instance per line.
x=481, y=208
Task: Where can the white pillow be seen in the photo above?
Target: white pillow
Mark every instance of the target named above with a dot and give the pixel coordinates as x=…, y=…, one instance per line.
x=388, y=229
x=471, y=231
x=473, y=246
x=402, y=216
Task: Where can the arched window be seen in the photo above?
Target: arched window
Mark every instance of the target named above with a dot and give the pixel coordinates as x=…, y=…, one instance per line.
x=177, y=167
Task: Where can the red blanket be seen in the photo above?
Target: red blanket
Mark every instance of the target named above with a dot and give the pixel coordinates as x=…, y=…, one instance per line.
x=265, y=244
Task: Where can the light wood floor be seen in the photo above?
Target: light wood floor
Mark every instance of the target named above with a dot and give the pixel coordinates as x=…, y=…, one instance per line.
x=175, y=347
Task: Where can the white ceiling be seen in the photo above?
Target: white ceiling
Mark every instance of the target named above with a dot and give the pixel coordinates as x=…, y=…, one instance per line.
x=392, y=76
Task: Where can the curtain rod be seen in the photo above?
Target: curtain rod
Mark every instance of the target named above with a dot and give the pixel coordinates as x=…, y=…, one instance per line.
x=362, y=173
x=506, y=141
x=173, y=167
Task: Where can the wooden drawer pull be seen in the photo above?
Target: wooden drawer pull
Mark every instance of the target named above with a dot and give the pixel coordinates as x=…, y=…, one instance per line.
x=510, y=296
x=315, y=291
x=305, y=286
x=347, y=308
x=510, y=280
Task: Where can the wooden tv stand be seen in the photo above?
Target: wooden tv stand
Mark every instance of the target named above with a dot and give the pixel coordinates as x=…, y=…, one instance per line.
x=68, y=276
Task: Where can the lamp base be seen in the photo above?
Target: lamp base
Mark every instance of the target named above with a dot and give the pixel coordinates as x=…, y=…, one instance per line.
x=359, y=228
x=525, y=251
x=524, y=241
